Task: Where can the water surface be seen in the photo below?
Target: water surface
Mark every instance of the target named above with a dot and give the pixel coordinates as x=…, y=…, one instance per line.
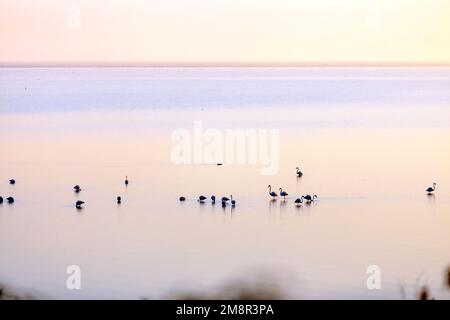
x=369, y=142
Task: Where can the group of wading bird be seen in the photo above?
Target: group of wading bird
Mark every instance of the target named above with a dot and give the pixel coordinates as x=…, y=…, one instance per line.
x=298, y=201
x=77, y=189
x=80, y=203
x=10, y=200
x=307, y=198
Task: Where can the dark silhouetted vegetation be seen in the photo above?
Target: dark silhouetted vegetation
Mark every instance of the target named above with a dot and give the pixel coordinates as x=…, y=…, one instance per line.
x=6, y=294
x=448, y=277
x=259, y=288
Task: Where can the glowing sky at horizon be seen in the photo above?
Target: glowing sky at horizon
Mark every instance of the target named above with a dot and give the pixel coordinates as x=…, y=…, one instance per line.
x=227, y=31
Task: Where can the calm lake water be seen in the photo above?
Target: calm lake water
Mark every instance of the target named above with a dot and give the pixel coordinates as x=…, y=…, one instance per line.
x=369, y=142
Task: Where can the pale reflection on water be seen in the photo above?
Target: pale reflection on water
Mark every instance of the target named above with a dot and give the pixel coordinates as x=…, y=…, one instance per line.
x=372, y=208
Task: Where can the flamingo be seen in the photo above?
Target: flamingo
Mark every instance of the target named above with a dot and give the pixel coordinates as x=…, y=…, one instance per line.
x=213, y=199
x=201, y=199
x=233, y=202
x=10, y=199
x=12, y=181
x=309, y=198
x=283, y=194
x=119, y=199
x=299, y=201
x=78, y=204
x=126, y=180
x=182, y=198
x=77, y=188
x=299, y=173
x=431, y=189
x=273, y=194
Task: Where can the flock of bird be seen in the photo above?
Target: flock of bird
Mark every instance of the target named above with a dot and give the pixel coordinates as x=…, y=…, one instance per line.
x=284, y=194
x=224, y=200
x=9, y=199
x=308, y=198
x=298, y=201
x=76, y=188
x=79, y=203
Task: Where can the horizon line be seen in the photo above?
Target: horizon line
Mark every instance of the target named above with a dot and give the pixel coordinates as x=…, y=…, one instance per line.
x=219, y=64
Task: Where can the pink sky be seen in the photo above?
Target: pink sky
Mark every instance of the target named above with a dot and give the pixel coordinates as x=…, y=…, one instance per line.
x=224, y=32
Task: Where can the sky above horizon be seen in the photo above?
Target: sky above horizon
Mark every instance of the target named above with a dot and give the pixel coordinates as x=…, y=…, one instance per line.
x=224, y=31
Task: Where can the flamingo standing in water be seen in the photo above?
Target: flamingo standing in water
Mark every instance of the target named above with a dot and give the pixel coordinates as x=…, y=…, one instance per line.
x=299, y=201
x=430, y=190
x=283, y=194
x=273, y=194
x=201, y=199
x=299, y=173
